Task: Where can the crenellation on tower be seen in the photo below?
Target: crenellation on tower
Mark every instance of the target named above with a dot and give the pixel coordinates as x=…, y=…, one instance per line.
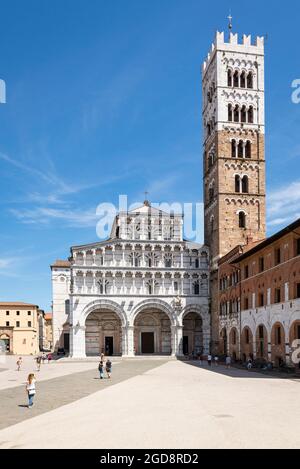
x=245, y=46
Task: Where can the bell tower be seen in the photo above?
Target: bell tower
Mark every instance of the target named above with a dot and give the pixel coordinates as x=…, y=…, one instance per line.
x=234, y=149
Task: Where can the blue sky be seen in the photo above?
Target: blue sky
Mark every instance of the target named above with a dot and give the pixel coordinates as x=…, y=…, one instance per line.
x=104, y=98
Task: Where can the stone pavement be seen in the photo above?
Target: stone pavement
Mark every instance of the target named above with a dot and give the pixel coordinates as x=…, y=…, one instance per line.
x=56, y=392
x=168, y=405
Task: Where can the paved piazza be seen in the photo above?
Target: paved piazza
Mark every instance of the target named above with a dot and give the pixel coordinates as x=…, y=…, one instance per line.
x=148, y=403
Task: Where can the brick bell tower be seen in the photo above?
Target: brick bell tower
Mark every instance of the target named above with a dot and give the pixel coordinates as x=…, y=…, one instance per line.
x=234, y=150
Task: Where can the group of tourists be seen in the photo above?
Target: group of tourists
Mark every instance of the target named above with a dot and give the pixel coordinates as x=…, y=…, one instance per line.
x=42, y=358
x=213, y=359
x=104, y=365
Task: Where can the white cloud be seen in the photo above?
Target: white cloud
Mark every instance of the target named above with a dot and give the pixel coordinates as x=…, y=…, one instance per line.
x=284, y=204
x=44, y=215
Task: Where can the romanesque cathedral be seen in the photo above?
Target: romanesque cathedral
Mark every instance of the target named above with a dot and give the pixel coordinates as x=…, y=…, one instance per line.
x=148, y=291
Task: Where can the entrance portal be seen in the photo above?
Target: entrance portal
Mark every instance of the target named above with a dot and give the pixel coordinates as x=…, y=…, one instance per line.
x=147, y=342
x=103, y=333
x=109, y=345
x=192, y=334
x=185, y=345
x=152, y=333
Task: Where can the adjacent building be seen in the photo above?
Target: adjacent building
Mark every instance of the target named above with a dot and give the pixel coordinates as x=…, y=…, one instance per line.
x=19, y=328
x=259, y=298
x=45, y=331
x=143, y=291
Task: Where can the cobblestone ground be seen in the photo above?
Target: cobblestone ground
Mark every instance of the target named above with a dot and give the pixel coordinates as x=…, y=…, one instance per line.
x=56, y=392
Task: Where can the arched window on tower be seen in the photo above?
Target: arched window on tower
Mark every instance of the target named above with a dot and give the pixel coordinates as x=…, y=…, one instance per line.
x=245, y=185
x=230, y=113
x=250, y=80
x=233, y=148
x=237, y=184
x=243, y=80
x=248, y=149
x=241, y=149
x=242, y=220
x=250, y=115
x=208, y=129
x=229, y=78
x=236, y=114
x=243, y=114
x=236, y=79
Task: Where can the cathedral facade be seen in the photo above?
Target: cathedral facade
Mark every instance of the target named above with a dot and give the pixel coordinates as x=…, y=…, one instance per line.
x=143, y=291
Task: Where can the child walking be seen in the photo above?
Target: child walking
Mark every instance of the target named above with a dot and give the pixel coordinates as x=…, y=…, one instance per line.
x=30, y=388
x=19, y=363
x=101, y=369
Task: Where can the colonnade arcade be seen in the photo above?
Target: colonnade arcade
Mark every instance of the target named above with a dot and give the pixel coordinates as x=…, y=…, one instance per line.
x=106, y=282
x=153, y=328
x=140, y=255
x=266, y=343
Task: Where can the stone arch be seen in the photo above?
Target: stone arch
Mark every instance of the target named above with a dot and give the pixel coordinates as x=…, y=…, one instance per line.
x=234, y=343
x=278, y=341
x=261, y=339
x=155, y=304
x=104, y=304
x=194, y=322
x=191, y=309
x=152, y=324
x=294, y=331
x=247, y=350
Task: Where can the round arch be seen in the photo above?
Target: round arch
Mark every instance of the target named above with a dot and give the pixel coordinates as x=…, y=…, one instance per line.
x=103, y=304
x=247, y=344
x=278, y=344
x=152, y=322
x=193, y=324
x=234, y=343
x=191, y=309
x=261, y=339
x=223, y=342
x=153, y=304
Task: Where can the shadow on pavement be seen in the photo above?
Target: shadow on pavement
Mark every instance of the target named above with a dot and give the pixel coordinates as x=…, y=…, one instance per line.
x=234, y=372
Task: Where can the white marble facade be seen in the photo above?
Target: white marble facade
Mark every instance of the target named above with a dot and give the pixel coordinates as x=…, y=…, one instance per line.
x=143, y=291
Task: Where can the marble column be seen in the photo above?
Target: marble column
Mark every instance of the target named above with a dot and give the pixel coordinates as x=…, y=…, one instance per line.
x=77, y=342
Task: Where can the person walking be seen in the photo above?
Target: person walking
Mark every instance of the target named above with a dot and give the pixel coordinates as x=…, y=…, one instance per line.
x=101, y=369
x=19, y=363
x=108, y=368
x=49, y=356
x=38, y=362
x=228, y=362
x=249, y=364
x=30, y=389
x=209, y=359
x=216, y=360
